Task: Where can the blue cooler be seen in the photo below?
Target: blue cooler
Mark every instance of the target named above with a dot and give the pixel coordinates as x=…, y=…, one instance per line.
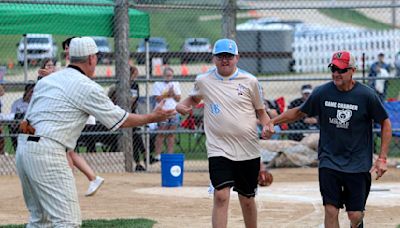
x=172, y=170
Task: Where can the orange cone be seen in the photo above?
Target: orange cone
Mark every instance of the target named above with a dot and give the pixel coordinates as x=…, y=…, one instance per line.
x=108, y=71
x=204, y=69
x=10, y=64
x=157, y=71
x=184, y=70
x=253, y=13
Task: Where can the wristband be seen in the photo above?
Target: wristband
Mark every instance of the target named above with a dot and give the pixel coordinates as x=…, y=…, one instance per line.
x=383, y=160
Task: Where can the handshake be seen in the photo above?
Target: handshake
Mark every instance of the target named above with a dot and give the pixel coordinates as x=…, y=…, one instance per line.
x=268, y=130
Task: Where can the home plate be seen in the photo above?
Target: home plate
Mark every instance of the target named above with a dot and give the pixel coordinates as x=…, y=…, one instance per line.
x=382, y=194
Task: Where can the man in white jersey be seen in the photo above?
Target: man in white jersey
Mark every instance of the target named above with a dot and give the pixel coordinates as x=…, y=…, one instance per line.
x=57, y=113
x=233, y=102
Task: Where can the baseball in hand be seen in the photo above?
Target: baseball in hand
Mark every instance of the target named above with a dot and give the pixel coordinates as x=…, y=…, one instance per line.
x=265, y=178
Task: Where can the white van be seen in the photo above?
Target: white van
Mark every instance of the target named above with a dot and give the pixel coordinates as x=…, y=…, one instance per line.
x=39, y=47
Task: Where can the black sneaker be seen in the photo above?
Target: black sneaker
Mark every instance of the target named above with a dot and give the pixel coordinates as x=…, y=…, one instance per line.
x=154, y=160
x=140, y=168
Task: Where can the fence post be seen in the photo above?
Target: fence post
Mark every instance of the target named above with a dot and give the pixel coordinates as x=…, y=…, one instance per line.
x=121, y=36
x=229, y=19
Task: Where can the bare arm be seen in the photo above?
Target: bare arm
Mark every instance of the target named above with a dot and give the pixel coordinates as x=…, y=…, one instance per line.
x=157, y=115
x=289, y=116
x=386, y=129
x=286, y=117
x=379, y=166
x=185, y=106
x=263, y=118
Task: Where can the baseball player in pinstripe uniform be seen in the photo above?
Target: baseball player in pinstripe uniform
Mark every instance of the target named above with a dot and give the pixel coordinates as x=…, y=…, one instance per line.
x=233, y=102
x=57, y=113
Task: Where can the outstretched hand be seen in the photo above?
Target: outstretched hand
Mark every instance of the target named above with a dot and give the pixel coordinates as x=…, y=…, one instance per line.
x=183, y=109
x=161, y=114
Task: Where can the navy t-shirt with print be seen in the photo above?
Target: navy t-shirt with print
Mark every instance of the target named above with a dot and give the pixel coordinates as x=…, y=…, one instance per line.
x=346, y=119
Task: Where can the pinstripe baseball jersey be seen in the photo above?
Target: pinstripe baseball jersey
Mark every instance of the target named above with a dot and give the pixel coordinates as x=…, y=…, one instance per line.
x=230, y=121
x=62, y=102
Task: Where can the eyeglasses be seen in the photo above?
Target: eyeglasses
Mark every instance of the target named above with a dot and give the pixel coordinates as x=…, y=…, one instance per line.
x=225, y=56
x=337, y=69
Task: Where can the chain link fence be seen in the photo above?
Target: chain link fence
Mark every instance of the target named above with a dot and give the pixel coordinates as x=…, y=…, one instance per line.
x=286, y=44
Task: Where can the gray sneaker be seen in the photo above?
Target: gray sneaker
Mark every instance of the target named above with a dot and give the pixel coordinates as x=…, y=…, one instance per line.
x=94, y=186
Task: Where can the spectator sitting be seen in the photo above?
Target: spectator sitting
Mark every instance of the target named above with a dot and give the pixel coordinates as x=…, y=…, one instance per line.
x=19, y=108
x=20, y=105
x=305, y=123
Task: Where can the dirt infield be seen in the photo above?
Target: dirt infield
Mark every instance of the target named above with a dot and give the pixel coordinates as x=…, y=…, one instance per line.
x=293, y=200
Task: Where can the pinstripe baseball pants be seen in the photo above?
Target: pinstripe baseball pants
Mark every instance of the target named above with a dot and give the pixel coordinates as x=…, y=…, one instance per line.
x=47, y=182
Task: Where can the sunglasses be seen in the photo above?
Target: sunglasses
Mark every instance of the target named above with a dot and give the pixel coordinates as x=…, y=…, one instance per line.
x=340, y=71
x=225, y=56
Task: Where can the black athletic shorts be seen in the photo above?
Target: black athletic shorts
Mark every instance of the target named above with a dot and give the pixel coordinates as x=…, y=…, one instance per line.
x=241, y=175
x=349, y=189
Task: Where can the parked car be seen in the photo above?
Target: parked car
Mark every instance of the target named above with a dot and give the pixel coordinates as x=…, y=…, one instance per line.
x=156, y=44
x=39, y=47
x=104, y=48
x=196, y=45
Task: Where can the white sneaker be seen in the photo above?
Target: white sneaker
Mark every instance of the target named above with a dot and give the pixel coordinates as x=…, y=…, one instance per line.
x=94, y=186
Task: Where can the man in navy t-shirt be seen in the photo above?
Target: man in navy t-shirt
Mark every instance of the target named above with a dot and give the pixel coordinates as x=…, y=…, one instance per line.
x=347, y=110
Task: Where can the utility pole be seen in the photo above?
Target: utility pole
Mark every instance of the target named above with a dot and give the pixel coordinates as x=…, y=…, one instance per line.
x=121, y=38
x=229, y=19
x=394, y=14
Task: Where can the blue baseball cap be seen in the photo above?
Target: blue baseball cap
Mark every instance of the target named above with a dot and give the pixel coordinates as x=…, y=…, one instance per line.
x=225, y=46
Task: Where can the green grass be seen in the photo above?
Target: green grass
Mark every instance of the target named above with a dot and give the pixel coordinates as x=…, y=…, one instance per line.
x=394, y=89
x=354, y=17
x=102, y=223
x=8, y=146
x=177, y=25
x=192, y=145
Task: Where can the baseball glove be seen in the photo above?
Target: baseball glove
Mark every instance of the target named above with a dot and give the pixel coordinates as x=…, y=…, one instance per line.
x=265, y=178
x=26, y=128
